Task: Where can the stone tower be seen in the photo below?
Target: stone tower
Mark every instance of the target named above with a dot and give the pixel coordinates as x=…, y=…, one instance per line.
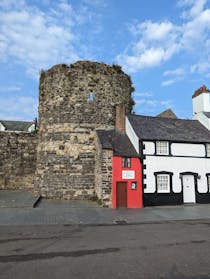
x=74, y=101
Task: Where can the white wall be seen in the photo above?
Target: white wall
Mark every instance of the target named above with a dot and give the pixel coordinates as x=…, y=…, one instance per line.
x=178, y=149
x=2, y=128
x=201, y=103
x=31, y=128
x=149, y=147
x=203, y=119
x=175, y=165
x=186, y=149
x=132, y=135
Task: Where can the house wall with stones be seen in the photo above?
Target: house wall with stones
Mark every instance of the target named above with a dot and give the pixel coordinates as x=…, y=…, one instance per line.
x=17, y=160
x=103, y=174
x=73, y=101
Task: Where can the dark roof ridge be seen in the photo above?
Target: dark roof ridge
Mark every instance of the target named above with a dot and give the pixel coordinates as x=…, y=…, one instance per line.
x=159, y=117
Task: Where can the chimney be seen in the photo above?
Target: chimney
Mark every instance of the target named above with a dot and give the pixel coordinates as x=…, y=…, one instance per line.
x=200, y=100
x=120, y=117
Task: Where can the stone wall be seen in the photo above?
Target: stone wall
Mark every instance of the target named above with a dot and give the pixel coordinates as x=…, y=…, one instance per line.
x=17, y=160
x=103, y=174
x=73, y=101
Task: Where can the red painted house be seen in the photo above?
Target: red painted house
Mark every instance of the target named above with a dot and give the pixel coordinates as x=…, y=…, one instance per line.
x=120, y=170
x=126, y=182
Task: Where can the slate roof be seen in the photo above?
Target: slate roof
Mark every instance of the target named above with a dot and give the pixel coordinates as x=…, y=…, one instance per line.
x=159, y=128
x=206, y=114
x=118, y=142
x=16, y=125
x=167, y=113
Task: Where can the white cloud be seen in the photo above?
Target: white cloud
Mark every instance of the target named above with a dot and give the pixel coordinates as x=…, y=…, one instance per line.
x=157, y=42
x=10, y=88
x=175, y=75
x=8, y=4
x=95, y=2
x=151, y=105
x=146, y=103
x=142, y=94
x=39, y=39
x=18, y=108
x=168, y=82
x=201, y=67
x=176, y=72
x=197, y=7
x=153, y=31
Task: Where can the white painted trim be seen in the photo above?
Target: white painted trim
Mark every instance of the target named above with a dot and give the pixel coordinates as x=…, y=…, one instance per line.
x=203, y=119
x=131, y=135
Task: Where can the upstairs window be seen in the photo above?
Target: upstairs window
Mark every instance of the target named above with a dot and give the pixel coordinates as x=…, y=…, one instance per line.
x=208, y=149
x=163, y=183
x=162, y=148
x=126, y=162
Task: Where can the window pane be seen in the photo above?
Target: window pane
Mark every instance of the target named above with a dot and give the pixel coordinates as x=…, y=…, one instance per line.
x=163, y=183
x=126, y=162
x=162, y=147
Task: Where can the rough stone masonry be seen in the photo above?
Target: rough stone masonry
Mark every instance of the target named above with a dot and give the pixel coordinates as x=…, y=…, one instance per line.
x=74, y=101
x=17, y=160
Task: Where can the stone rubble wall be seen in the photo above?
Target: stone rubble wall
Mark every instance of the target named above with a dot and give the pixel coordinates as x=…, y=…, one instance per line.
x=103, y=174
x=68, y=118
x=66, y=161
x=17, y=160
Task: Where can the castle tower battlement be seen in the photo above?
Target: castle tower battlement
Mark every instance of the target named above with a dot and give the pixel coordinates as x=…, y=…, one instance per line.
x=74, y=101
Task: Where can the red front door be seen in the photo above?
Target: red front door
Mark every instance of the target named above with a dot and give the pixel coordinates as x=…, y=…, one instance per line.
x=121, y=194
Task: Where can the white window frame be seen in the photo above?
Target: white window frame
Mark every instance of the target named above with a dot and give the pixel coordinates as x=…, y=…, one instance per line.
x=126, y=162
x=162, y=148
x=208, y=150
x=161, y=179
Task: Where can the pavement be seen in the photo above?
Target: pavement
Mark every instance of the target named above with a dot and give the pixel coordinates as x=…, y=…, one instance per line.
x=17, y=199
x=23, y=208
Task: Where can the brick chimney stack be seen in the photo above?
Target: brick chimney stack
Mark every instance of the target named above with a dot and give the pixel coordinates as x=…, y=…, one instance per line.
x=120, y=117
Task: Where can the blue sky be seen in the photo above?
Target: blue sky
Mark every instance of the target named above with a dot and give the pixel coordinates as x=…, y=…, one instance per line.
x=163, y=45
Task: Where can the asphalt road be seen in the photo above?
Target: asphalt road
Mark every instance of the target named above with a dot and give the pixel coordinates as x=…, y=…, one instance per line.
x=172, y=250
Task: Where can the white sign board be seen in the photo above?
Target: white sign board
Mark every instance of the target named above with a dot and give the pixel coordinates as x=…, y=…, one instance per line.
x=128, y=174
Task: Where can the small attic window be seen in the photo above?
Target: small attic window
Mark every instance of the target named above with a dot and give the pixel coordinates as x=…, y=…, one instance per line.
x=91, y=96
x=162, y=148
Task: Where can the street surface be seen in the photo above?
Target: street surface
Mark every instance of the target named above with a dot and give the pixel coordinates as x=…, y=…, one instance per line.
x=171, y=250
